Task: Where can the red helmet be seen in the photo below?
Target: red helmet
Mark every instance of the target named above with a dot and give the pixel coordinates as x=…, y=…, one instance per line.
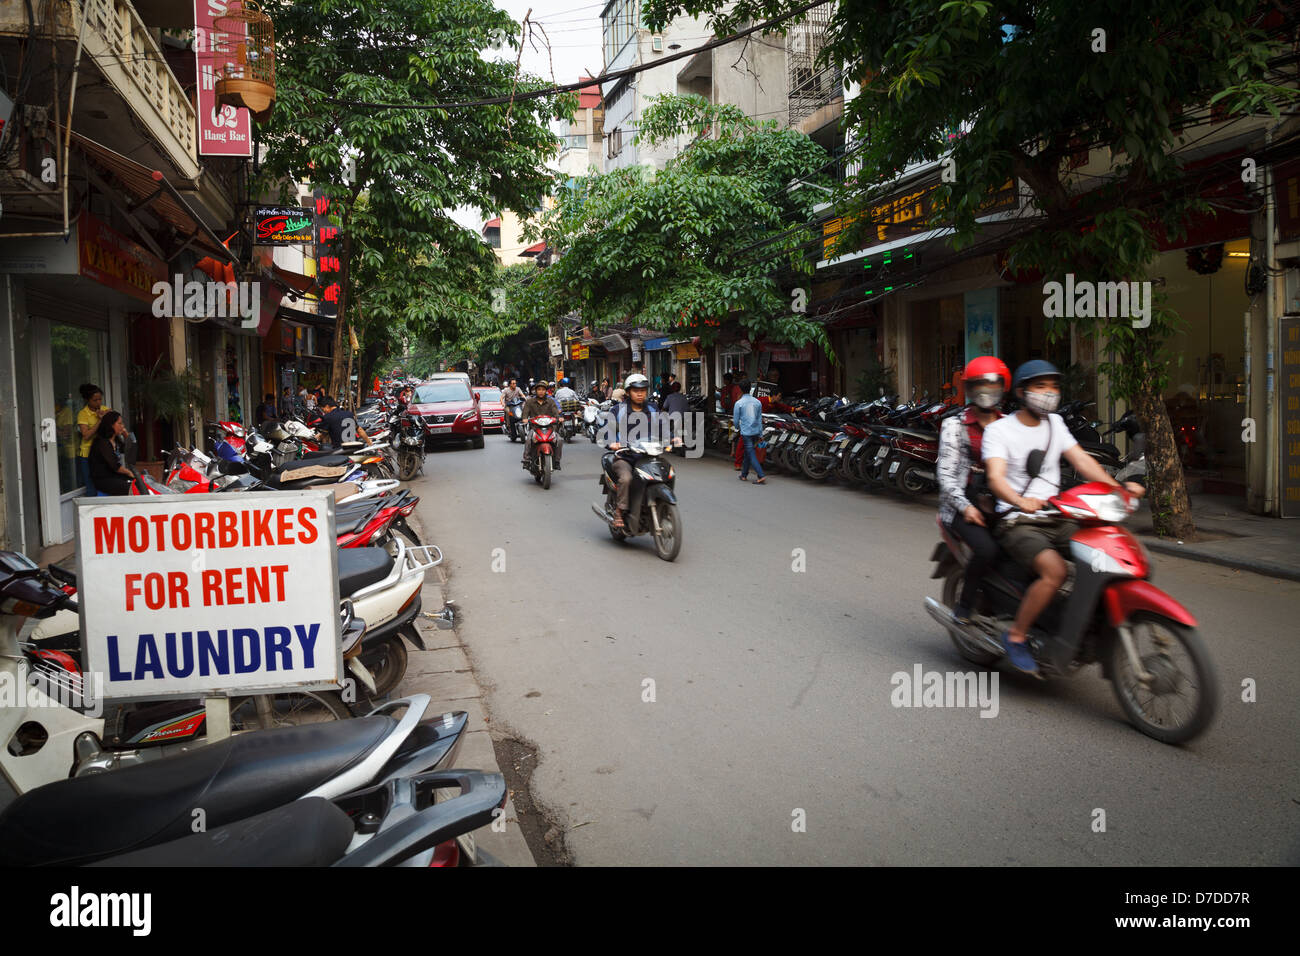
x=987, y=368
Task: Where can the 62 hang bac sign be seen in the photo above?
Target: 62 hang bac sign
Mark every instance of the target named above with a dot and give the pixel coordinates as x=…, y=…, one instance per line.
x=283, y=225
x=209, y=595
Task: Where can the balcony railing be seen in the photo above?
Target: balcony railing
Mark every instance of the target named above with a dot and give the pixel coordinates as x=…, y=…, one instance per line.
x=120, y=46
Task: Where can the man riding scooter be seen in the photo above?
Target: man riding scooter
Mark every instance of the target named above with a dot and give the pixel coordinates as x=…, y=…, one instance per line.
x=540, y=403
x=1022, y=456
x=635, y=418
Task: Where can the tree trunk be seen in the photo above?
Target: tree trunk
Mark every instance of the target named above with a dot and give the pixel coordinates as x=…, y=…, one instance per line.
x=1167, y=487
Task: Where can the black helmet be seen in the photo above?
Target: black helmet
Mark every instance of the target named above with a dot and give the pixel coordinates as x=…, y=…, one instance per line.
x=1034, y=368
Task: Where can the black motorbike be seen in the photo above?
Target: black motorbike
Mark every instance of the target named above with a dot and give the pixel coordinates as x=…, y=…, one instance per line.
x=408, y=443
x=514, y=420
x=652, y=501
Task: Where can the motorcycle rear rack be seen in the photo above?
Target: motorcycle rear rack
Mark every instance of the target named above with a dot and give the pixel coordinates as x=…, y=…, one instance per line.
x=407, y=562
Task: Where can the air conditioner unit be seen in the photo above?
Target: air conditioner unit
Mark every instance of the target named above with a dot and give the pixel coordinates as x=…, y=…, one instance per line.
x=657, y=43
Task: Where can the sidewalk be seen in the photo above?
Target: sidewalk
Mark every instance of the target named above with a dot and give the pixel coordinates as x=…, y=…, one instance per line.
x=1231, y=536
x=444, y=673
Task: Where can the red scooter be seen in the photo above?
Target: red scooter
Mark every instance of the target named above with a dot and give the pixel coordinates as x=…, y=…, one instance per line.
x=544, y=439
x=1108, y=612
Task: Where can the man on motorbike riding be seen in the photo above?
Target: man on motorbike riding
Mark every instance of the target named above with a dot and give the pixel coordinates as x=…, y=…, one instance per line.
x=512, y=393
x=1008, y=446
x=636, y=419
x=540, y=403
x=985, y=381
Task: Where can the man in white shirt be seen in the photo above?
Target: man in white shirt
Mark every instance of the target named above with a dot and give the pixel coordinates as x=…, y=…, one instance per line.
x=1009, y=445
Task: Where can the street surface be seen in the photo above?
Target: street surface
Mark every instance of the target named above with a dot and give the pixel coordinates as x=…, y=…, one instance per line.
x=772, y=687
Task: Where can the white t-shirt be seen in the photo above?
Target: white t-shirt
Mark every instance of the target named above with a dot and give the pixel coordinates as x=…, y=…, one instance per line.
x=1012, y=441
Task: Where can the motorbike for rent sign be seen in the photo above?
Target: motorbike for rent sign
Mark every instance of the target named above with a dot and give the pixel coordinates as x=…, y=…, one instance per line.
x=209, y=595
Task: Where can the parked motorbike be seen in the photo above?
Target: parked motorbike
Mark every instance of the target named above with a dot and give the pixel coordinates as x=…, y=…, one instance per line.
x=358, y=792
x=544, y=437
x=1108, y=613
x=652, y=501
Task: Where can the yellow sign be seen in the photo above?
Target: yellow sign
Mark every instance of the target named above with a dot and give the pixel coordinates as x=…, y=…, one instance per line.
x=578, y=351
x=686, y=351
x=903, y=215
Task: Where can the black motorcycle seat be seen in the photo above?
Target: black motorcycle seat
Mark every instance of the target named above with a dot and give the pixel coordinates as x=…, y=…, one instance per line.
x=1101, y=447
x=331, y=459
x=311, y=832
x=88, y=818
x=360, y=567
x=322, y=453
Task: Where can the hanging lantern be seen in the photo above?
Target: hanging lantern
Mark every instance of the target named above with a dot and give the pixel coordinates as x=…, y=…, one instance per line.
x=247, y=78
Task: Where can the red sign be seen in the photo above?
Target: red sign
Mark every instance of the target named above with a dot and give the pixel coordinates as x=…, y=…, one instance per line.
x=223, y=130
x=282, y=225
x=111, y=259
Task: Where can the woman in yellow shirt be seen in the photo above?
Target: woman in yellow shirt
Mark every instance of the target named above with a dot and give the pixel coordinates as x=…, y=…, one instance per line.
x=87, y=423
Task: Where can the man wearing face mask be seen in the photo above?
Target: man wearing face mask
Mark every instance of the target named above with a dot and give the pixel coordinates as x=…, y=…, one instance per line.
x=1035, y=542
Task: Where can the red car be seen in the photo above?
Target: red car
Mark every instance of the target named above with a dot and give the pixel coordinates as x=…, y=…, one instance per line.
x=491, y=407
x=448, y=410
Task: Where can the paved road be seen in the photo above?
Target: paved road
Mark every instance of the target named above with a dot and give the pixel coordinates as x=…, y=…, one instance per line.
x=773, y=695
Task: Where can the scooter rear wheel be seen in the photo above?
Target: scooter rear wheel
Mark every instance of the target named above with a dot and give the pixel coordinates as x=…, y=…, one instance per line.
x=387, y=663
x=972, y=652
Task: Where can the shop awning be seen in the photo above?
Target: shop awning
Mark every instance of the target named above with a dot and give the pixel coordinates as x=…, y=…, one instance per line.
x=152, y=189
x=296, y=281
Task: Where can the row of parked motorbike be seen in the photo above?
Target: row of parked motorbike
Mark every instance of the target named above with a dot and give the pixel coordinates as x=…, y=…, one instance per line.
x=886, y=444
x=345, y=777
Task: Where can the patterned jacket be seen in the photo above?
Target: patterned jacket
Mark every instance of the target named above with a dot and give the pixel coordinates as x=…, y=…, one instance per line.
x=954, y=465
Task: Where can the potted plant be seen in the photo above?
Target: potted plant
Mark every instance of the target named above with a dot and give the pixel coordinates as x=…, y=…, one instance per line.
x=159, y=395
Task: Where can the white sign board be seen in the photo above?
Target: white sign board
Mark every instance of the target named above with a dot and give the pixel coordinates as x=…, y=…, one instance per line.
x=209, y=595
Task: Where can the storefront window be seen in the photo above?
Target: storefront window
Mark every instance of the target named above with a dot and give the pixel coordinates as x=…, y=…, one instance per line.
x=77, y=357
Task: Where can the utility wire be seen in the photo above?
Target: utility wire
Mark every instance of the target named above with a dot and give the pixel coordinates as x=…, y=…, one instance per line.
x=603, y=78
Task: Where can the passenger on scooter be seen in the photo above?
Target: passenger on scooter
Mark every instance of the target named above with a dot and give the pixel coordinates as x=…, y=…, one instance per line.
x=635, y=418
x=985, y=381
x=540, y=403
x=1035, y=543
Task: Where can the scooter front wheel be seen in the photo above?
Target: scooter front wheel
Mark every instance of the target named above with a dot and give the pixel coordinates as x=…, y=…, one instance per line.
x=545, y=476
x=1179, y=699
x=668, y=540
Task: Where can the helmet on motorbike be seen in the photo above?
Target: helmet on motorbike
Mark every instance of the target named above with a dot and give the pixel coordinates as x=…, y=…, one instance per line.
x=987, y=368
x=564, y=382
x=542, y=384
x=986, y=379
x=637, y=380
x=1034, y=368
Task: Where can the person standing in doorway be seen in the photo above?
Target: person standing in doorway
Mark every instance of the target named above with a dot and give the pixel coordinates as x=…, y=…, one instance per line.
x=88, y=419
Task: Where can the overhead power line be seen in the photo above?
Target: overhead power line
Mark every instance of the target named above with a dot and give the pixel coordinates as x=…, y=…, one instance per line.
x=604, y=78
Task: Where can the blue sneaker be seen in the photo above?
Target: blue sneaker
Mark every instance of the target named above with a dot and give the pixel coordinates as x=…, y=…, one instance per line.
x=1018, y=655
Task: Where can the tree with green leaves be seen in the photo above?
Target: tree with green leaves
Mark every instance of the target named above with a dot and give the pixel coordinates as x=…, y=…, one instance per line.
x=716, y=234
x=1031, y=84
x=395, y=171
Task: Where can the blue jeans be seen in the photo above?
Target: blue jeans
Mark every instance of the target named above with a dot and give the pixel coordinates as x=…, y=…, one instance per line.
x=750, y=441
x=83, y=476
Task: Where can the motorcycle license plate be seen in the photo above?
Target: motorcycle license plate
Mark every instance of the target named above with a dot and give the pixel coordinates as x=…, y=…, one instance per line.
x=882, y=451
x=802, y=439
x=857, y=447
x=893, y=467
x=841, y=443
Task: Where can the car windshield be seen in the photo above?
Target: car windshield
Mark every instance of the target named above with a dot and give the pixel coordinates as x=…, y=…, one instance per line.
x=442, y=392
x=489, y=394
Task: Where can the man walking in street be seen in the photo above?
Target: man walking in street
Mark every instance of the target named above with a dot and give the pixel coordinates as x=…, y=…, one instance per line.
x=748, y=419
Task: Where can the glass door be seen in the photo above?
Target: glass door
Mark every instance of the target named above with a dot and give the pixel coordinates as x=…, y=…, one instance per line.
x=67, y=357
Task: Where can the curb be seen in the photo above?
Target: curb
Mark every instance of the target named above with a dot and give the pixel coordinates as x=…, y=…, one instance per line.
x=444, y=672
x=1194, y=553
